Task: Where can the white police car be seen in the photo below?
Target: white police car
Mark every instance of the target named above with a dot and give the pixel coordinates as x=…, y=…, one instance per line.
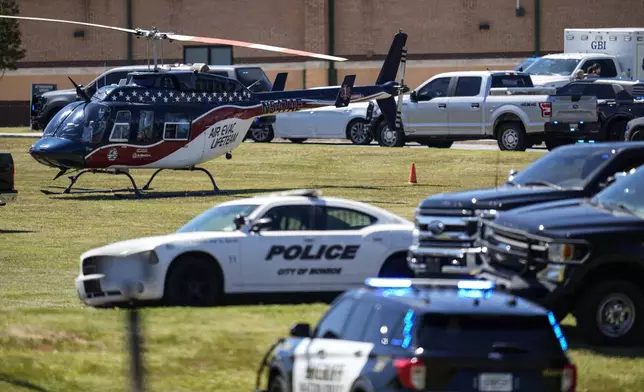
x=289, y=242
x=423, y=335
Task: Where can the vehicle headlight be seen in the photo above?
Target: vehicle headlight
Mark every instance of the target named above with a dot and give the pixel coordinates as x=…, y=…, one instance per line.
x=562, y=252
x=489, y=213
x=553, y=272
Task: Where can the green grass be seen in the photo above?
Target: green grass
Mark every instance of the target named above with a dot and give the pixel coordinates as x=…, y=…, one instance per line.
x=47, y=338
x=16, y=130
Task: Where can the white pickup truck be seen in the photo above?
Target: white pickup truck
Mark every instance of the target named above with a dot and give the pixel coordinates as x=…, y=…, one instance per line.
x=500, y=105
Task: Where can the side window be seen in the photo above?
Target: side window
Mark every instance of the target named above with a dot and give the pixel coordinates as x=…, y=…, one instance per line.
x=358, y=321
x=146, y=127
x=337, y=218
x=607, y=67
x=332, y=323
x=115, y=77
x=435, y=88
x=121, y=129
x=468, y=86
x=176, y=127
x=603, y=91
x=573, y=89
x=381, y=324
x=290, y=218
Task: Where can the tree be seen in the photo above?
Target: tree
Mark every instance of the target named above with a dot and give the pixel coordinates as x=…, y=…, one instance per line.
x=10, y=37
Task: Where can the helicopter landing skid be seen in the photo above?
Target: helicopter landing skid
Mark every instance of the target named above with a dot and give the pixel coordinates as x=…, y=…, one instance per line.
x=74, y=178
x=191, y=168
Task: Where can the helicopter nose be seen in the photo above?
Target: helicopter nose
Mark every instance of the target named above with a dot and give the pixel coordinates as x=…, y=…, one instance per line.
x=59, y=153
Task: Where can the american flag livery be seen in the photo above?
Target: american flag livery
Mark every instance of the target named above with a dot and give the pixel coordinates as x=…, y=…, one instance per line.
x=160, y=96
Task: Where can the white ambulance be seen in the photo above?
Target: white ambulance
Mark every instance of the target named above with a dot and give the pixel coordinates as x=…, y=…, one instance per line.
x=618, y=51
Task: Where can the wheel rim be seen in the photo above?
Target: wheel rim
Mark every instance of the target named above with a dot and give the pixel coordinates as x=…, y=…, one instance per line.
x=510, y=139
x=616, y=315
x=637, y=135
x=197, y=287
x=388, y=136
x=358, y=133
x=260, y=134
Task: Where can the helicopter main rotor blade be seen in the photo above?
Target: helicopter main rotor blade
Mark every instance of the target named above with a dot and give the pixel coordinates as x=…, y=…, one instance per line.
x=190, y=38
x=68, y=21
x=207, y=40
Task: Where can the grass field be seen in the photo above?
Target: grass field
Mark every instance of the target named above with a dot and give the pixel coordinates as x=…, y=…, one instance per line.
x=48, y=340
x=16, y=130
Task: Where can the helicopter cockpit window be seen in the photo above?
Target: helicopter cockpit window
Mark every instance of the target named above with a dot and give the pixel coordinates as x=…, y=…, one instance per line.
x=121, y=129
x=176, y=127
x=96, y=118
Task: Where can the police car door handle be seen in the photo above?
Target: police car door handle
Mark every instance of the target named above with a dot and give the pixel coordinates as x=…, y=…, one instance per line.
x=309, y=239
x=321, y=353
x=475, y=105
x=442, y=105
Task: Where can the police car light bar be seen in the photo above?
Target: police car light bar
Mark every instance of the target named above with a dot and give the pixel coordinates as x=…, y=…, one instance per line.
x=403, y=283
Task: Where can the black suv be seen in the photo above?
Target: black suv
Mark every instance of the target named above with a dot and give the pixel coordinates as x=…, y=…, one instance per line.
x=446, y=223
x=580, y=256
x=412, y=335
x=618, y=102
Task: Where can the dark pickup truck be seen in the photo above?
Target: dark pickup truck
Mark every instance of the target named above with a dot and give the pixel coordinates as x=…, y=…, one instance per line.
x=579, y=256
x=8, y=191
x=446, y=224
x=618, y=102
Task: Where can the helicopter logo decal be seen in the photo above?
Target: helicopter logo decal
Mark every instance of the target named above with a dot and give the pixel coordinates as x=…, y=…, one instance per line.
x=112, y=154
x=345, y=92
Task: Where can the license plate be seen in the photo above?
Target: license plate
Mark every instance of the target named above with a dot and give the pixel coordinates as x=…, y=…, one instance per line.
x=495, y=382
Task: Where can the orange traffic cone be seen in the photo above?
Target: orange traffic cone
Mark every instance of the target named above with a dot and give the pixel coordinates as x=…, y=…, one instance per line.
x=412, y=174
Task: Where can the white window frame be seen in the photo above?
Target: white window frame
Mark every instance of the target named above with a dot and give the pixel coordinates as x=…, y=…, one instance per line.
x=177, y=123
x=112, y=139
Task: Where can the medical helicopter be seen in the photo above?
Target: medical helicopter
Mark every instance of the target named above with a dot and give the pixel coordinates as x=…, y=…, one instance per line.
x=176, y=119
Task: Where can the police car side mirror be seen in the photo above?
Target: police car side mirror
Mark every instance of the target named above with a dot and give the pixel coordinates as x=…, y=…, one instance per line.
x=413, y=96
x=301, y=330
x=511, y=174
x=260, y=224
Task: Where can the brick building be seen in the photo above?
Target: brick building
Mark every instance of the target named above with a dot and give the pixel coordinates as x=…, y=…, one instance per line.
x=443, y=35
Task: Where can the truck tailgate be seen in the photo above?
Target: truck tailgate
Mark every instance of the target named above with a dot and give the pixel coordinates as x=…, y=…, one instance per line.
x=574, y=108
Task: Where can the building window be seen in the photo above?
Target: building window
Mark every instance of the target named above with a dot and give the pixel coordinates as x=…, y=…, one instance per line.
x=211, y=55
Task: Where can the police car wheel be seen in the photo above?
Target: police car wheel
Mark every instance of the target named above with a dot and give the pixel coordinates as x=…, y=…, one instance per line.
x=193, y=280
x=278, y=384
x=396, y=267
x=612, y=313
x=617, y=131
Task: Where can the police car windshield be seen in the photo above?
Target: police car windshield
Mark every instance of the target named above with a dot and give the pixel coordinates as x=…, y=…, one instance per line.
x=219, y=218
x=551, y=66
x=563, y=168
x=477, y=334
x=626, y=195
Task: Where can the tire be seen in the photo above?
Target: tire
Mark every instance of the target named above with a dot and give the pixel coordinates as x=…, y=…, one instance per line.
x=298, y=140
x=190, y=273
x=278, y=384
x=511, y=136
x=387, y=138
x=357, y=132
x=599, y=301
x=261, y=135
x=636, y=135
x=439, y=144
x=396, y=267
x=617, y=130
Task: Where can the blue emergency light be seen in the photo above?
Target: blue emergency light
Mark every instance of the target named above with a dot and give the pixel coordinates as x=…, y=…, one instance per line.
x=557, y=330
x=406, y=283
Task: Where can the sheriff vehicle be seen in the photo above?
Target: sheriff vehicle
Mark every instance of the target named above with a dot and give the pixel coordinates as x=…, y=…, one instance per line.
x=289, y=242
x=423, y=335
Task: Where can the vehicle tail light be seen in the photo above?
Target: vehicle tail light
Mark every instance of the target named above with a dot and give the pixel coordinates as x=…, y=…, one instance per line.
x=546, y=109
x=569, y=378
x=411, y=372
